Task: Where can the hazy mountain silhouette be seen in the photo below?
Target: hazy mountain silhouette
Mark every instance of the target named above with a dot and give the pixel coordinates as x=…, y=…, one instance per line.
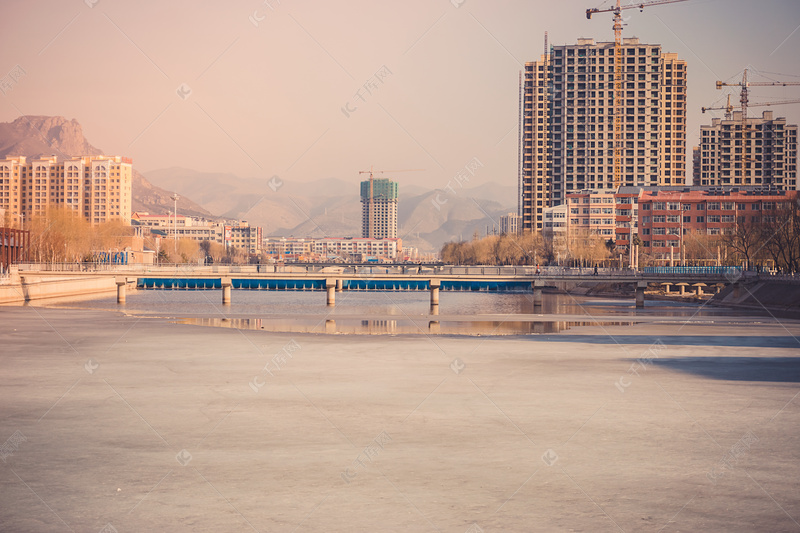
x=35, y=136
x=331, y=206
x=323, y=207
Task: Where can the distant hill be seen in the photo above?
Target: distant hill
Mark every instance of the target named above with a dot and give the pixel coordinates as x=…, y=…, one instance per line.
x=36, y=136
x=331, y=206
x=328, y=206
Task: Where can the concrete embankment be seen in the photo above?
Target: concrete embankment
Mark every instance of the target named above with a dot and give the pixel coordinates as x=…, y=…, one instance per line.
x=773, y=295
x=26, y=288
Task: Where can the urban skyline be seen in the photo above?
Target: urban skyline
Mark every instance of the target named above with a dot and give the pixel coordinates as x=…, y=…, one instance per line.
x=217, y=113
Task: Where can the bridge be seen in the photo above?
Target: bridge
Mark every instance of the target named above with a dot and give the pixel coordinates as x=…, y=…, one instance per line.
x=335, y=278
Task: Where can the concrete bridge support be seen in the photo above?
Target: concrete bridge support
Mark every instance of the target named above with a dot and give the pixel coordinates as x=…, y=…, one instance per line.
x=640, y=287
x=330, y=285
x=435, y=284
x=121, y=283
x=339, y=285
x=226, y=291
x=537, y=292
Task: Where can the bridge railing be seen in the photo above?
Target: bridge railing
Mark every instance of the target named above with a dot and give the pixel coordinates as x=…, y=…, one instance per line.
x=667, y=274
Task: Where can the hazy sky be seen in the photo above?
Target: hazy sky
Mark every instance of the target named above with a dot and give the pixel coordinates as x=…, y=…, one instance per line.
x=258, y=88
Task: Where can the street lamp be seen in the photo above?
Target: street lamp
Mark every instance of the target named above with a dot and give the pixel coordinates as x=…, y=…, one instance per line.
x=174, y=198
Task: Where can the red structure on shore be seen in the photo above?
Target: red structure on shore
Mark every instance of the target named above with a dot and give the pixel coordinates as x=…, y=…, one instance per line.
x=13, y=244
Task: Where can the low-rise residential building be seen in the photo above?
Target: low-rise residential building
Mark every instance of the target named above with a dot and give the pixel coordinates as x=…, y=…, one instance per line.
x=555, y=227
x=668, y=216
x=244, y=237
x=237, y=235
x=333, y=249
x=591, y=212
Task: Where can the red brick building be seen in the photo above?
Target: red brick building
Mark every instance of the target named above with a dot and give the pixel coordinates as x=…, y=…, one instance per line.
x=667, y=217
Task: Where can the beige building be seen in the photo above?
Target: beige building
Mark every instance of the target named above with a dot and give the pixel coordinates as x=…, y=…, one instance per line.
x=239, y=235
x=180, y=226
x=95, y=187
x=510, y=224
x=567, y=120
x=333, y=248
x=556, y=228
x=766, y=155
x=592, y=212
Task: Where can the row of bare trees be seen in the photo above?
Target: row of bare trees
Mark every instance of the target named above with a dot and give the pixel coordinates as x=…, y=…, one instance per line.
x=62, y=236
x=774, y=239
x=525, y=249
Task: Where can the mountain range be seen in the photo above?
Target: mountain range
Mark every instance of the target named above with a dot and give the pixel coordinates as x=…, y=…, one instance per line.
x=323, y=207
x=427, y=218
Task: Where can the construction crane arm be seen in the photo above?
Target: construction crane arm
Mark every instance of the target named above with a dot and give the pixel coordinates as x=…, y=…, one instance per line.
x=640, y=5
x=721, y=84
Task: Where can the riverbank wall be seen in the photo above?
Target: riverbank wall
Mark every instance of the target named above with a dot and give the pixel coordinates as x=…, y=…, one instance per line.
x=18, y=288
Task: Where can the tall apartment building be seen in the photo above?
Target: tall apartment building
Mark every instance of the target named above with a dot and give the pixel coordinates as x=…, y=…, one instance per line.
x=95, y=187
x=759, y=151
x=379, y=216
x=567, y=118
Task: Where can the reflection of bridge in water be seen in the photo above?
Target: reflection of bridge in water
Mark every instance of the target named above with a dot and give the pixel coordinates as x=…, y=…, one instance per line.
x=404, y=278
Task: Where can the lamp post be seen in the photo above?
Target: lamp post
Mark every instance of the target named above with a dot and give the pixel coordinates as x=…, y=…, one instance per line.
x=683, y=254
x=174, y=198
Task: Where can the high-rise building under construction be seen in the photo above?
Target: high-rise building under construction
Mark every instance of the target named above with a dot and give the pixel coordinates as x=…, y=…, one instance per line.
x=567, y=122
x=379, y=209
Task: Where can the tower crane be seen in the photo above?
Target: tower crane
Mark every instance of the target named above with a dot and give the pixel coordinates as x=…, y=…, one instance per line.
x=729, y=108
x=743, y=99
x=618, y=92
x=744, y=84
x=371, y=204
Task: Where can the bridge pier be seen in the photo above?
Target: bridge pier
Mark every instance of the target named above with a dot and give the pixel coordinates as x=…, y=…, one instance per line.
x=699, y=289
x=226, y=291
x=339, y=285
x=640, y=287
x=537, y=292
x=435, y=284
x=121, y=283
x=434, y=326
x=330, y=285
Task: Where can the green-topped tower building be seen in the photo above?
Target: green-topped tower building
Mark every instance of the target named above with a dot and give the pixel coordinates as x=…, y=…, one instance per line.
x=379, y=208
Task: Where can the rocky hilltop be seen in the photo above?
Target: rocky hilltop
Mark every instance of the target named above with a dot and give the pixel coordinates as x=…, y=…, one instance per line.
x=36, y=136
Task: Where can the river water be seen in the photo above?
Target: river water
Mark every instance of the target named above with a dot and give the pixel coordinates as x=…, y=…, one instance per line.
x=377, y=312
